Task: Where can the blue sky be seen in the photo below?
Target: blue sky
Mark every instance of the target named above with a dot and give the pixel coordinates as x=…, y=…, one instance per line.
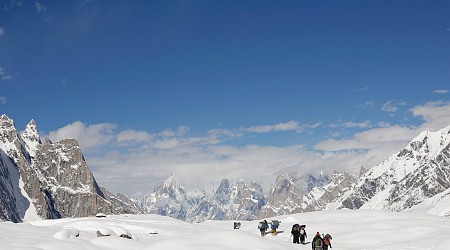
x=225, y=89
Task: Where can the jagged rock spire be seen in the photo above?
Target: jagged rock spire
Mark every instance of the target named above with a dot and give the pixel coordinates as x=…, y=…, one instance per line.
x=31, y=137
x=362, y=171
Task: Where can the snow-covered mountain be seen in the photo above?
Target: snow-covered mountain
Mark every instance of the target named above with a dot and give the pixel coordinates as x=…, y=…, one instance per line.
x=128, y=205
x=321, y=196
x=284, y=197
x=416, y=176
x=238, y=201
x=170, y=199
x=52, y=180
x=415, y=179
x=45, y=180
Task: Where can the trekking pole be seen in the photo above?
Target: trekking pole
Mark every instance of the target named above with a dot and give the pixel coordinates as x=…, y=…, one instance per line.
x=290, y=237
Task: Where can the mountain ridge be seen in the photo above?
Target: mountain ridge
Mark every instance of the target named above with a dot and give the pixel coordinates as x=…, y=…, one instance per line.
x=52, y=180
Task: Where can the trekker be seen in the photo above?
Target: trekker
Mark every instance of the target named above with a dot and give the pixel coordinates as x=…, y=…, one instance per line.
x=263, y=225
x=317, y=242
x=327, y=241
x=296, y=233
x=303, y=235
x=274, y=226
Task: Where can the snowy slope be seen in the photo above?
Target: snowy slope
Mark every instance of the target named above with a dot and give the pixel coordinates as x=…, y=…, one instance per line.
x=351, y=230
x=415, y=174
x=13, y=154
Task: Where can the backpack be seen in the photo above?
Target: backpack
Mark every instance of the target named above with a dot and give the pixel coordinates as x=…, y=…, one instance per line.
x=263, y=225
x=319, y=243
x=275, y=223
x=327, y=239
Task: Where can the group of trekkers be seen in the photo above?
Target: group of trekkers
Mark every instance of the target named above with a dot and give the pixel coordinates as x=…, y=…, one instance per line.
x=320, y=242
x=298, y=232
x=264, y=225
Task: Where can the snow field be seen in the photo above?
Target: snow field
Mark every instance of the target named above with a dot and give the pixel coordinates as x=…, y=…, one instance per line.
x=351, y=230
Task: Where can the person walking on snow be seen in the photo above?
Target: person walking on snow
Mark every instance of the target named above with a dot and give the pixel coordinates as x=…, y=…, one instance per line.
x=317, y=242
x=302, y=235
x=295, y=233
x=262, y=227
x=327, y=241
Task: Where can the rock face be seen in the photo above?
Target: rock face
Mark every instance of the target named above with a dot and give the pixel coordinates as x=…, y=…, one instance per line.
x=14, y=152
x=320, y=197
x=238, y=202
x=69, y=187
x=120, y=200
x=8, y=203
x=285, y=197
x=50, y=179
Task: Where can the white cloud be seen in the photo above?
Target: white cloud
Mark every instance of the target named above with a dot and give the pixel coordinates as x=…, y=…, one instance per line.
x=155, y=155
x=435, y=114
x=362, y=89
x=201, y=166
x=440, y=91
x=350, y=124
x=7, y=77
x=2, y=31
x=228, y=133
x=12, y=4
x=377, y=144
x=287, y=126
x=40, y=7
x=133, y=136
x=4, y=75
x=3, y=99
x=391, y=106
x=202, y=162
x=368, y=104
x=370, y=139
x=88, y=136
x=171, y=133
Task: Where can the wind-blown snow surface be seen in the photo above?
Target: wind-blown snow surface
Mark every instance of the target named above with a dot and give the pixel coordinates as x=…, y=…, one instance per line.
x=351, y=230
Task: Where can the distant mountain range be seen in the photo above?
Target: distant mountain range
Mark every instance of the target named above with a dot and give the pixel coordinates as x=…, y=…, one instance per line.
x=51, y=180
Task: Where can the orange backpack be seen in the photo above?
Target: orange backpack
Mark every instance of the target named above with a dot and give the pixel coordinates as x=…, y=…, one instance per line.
x=327, y=240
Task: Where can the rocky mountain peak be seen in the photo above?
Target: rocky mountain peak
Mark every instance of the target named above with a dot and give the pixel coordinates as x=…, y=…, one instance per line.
x=418, y=172
x=55, y=176
x=5, y=119
x=221, y=194
x=31, y=138
x=170, y=187
x=362, y=171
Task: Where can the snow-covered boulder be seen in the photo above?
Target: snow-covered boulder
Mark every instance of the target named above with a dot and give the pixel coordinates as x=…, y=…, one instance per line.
x=67, y=234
